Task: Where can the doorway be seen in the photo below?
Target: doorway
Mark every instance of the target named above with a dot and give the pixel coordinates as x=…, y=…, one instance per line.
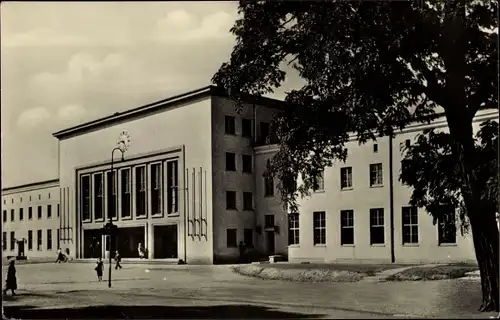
x=92, y=243
x=127, y=241
x=20, y=248
x=270, y=242
x=165, y=242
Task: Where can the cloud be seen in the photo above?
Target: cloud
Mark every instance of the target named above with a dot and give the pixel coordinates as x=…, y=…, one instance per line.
x=33, y=117
x=71, y=113
x=42, y=37
x=182, y=26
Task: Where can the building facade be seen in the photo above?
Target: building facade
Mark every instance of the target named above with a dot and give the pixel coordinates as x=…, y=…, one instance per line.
x=31, y=219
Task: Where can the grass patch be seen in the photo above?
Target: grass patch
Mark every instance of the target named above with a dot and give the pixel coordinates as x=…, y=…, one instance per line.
x=368, y=269
x=451, y=271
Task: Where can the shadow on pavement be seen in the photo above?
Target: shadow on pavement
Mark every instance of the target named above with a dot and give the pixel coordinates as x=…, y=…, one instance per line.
x=153, y=312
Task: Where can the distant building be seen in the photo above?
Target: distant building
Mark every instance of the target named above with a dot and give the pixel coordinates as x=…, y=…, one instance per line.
x=190, y=187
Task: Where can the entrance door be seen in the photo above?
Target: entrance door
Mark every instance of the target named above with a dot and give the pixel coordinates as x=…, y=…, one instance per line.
x=20, y=248
x=92, y=243
x=165, y=242
x=270, y=242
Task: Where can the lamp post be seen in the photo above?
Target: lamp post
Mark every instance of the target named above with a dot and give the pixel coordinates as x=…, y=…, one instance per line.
x=123, y=144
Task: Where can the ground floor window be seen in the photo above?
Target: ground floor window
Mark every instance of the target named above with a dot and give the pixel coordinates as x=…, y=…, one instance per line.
x=293, y=229
x=165, y=242
x=410, y=225
x=319, y=218
x=231, y=238
x=377, y=226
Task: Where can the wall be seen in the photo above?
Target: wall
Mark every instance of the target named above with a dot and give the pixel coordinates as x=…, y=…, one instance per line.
x=32, y=197
x=185, y=125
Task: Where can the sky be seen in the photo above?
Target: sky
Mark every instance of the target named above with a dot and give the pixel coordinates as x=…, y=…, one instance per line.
x=63, y=64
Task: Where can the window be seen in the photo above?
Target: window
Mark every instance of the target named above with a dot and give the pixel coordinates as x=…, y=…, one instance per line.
x=375, y=148
x=319, y=227
x=346, y=177
x=377, y=226
x=246, y=128
x=247, y=201
x=376, y=178
x=12, y=240
x=111, y=193
x=85, y=197
x=58, y=239
x=248, y=237
x=39, y=197
x=39, y=240
x=39, y=216
x=410, y=225
x=247, y=163
x=4, y=216
x=230, y=125
x=58, y=213
x=12, y=213
x=49, y=196
x=447, y=229
x=126, y=194
x=49, y=239
x=264, y=132
x=21, y=214
x=98, y=196
x=269, y=221
x=49, y=211
x=30, y=240
x=156, y=188
x=21, y=198
x=268, y=182
x=293, y=229
x=30, y=213
x=319, y=182
x=231, y=238
x=173, y=187
x=231, y=200
x=230, y=161
x=346, y=227
x=140, y=191
x=4, y=241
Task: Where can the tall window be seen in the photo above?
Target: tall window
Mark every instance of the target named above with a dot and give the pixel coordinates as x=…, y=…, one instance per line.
x=377, y=226
x=230, y=161
x=319, y=227
x=4, y=216
x=39, y=212
x=346, y=177
x=346, y=227
x=49, y=211
x=410, y=225
x=293, y=229
x=58, y=238
x=229, y=125
x=30, y=213
x=248, y=237
x=85, y=197
x=247, y=201
x=269, y=221
x=4, y=241
x=126, y=193
x=98, y=196
x=156, y=188
x=268, y=182
x=173, y=187
x=447, y=229
x=111, y=193
x=376, y=174
x=246, y=128
x=375, y=148
x=231, y=238
x=21, y=214
x=39, y=240
x=58, y=210
x=12, y=213
x=247, y=163
x=49, y=239
x=264, y=132
x=30, y=239
x=231, y=200
x=319, y=182
x=140, y=191
x=12, y=240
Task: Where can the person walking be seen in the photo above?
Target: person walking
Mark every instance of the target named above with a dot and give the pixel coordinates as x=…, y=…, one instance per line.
x=11, y=281
x=99, y=268
x=118, y=259
x=60, y=256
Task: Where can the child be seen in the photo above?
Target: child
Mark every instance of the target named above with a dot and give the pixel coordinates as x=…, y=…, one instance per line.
x=118, y=258
x=100, y=266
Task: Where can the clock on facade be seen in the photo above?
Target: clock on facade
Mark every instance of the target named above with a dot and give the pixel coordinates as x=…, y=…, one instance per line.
x=124, y=140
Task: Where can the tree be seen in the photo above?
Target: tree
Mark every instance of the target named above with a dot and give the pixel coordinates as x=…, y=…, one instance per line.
x=370, y=68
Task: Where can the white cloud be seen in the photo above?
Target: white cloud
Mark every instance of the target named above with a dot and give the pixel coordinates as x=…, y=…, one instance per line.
x=33, y=117
x=41, y=37
x=71, y=112
x=181, y=26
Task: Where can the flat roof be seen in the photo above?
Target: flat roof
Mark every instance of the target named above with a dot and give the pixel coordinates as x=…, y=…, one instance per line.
x=170, y=102
x=30, y=185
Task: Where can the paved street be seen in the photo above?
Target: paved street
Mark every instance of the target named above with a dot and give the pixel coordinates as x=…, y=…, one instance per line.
x=214, y=291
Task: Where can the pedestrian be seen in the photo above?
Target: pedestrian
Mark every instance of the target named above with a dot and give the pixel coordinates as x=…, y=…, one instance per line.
x=99, y=268
x=118, y=258
x=242, y=251
x=60, y=256
x=141, y=250
x=11, y=281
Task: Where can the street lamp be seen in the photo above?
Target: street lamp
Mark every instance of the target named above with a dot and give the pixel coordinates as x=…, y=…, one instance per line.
x=109, y=228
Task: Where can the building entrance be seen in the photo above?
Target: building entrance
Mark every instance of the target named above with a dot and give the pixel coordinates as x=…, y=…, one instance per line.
x=92, y=243
x=165, y=242
x=127, y=241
